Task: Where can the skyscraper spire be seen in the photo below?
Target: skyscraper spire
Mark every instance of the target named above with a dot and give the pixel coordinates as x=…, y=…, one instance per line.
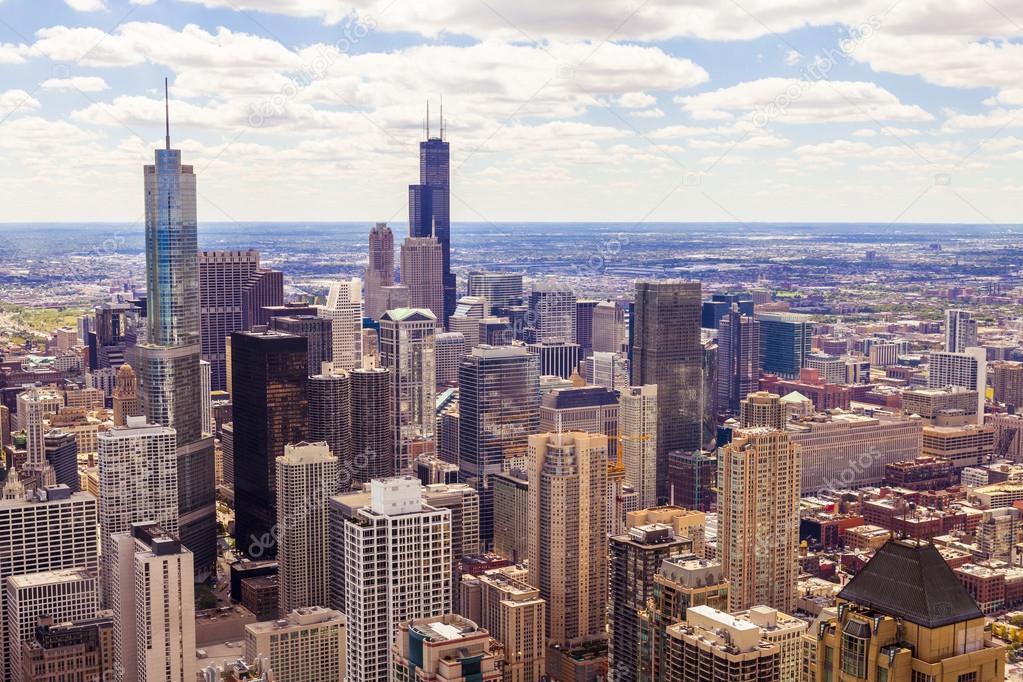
x=166, y=111
x=427, y=119
x=442, y=117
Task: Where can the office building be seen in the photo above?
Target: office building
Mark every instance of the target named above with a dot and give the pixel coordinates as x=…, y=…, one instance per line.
x=762, y=409
x=84, y=647
x=499, y=289
x=306, y=478
x=609, y=370
x=692, y=479
x=263, y=292
x=667, y=351
x=307, y=645
x=610, y=332
x=785, y=341
x=35, y=405
x=450, y=348
x=138, y=481
x=758, y=537
x=380, y=270
x=1007, y=381
x=590, y=409
x=1008, y=435
x=568, y=542
x=499, y=404
x=408, y=350
x=344, y=310
x=153, y=602
x=50, y=529
x=126, y=396
x=269, y=410
x=373, y=445
x=636, y=556
x=223, y=275
x=397, y=568
x=466, y=318
x=445, y=648
x=318, y=332
x=556, y=359
x=713, y=646
x=552, y=312
x=61, y=449
x=905, y=615
x=429, y=211
x=960, y=331
x=510, y=493
x=967, y=370
x=948, y=403
x=637, y=425
x=738, y=359
x=330, y=419
x=422, y=266
x=584, y=324
x=964, y=446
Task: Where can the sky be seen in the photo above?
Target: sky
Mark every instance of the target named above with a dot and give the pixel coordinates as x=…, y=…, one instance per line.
x=891, y=111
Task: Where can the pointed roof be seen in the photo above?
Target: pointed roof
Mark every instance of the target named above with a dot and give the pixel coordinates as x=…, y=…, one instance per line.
x=911, y=580
x=794, y=397
x=408, y=314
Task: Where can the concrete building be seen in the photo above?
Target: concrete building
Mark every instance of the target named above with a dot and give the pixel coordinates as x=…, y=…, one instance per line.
x=379, y=270
x=344, y=310
x=330, y=419
x=758, y=537
x=783, y=630
x=510, y=493
x=408, y=350
x=967, y=369
x=422, y=267
x=552, y=311
x=945, y=403
x=964, y=446
x=445, y=648
x=637, y=425
x=590, y=409
x=308, y=645
x=610, y=332
x=960, y=330
x=223, y=276
x=1007, y=381
x=126, y=400
x=762, y=409
x=713, y=646
x=372, y=439
x=84, y=647
x=451, y=347
x=318, y=332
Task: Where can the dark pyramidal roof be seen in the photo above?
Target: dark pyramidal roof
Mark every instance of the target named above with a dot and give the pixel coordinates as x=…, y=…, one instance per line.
x=911, y=580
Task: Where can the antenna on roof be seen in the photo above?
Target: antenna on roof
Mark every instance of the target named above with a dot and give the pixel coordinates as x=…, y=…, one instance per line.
x=166, y=111
x=427, y=119
x=442, y=117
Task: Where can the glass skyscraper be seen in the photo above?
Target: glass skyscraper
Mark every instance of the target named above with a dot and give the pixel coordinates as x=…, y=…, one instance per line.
x=429, y=207
x=785, y=341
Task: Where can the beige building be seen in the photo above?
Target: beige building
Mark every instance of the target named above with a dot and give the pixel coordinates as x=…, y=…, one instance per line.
x=758, y=536
x=966, y=445
x=306, y=646
x=421, y=269
x=762, y=408
x=713, y=646
x=446, y=648
x=568, y=538
x=931, y=403
x=1007, y=381
x=511, y=514
x=905, y=617
x=637, y=425
x=685, y=523
x=783, y=630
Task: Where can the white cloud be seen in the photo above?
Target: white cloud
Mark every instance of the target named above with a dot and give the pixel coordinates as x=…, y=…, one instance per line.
x=12, y=54
x=86, y=5
x=16, y=101
x=792, y=57
x=792, y=100
x=82, y=83
x=636, y=100
x=648, y=113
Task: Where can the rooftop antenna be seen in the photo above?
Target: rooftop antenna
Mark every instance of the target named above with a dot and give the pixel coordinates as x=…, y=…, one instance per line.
x=442, y=117
x=427, y=119
x=166, y=111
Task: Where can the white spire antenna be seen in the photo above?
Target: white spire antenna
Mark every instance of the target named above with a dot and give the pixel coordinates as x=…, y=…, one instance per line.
x=442, y=117
x=166, y=111
x=427, y=119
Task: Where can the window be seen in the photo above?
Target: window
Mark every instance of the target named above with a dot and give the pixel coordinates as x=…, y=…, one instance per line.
x=882, y=674
x=968, y=677
x=855, y=639
x=922, y=677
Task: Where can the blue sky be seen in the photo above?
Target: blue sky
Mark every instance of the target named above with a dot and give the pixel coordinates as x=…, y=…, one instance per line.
x=695, y=110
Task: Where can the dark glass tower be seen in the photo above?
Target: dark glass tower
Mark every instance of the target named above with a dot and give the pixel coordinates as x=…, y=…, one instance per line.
x=499, y=405
x=168, y=363
x=429, y=206
x=269, y=403
x=738, y=358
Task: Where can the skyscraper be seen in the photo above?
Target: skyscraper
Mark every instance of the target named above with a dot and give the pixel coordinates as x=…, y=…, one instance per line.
x=667, y=351
x=62, y=456
x=317, y=330
x=1007, y=381
x=967, y=369
x=500, y=289
x=785, y=341
x=263, y=290
x=222, y=277
x=758, y=539
x=762, y=408
x=450, y=349
x=637, y=426
x=738, y=358
x=372, y=425
x=610, y=334
x=330, y=420
x=397, y=567
x=344, y=310
x=422, y=271
x=126, y=396
x=499, y=407
x=960, y=331
x=568, y=534
x=306, y=478
x=269, y=371
x=380, y=270
x=552, y=310
x=168, y=362
x=408, y=349
x=34, y=406
x=429, y=210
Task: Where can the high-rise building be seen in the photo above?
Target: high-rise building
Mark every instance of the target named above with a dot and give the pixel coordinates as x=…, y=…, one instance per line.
x=552, y=311
x=373, y=447
x=52, y=529
x=636, y=556
x=222, y=277
x=168, y=362
x=637, y=425
x=708, y=392
x=153, y=600
x=344, y=310
x=967, y=369
x=66, y=595
x=610, y=333
x=466, y=318
x=449, y=351
x=692, y=479
x=319, y=332
x=407, y=349
x=206, y=397
x=330, y=420
x=584, y=324
x=499, y=403
x=429, y=211
x=306, y=645
x=35, y=405
x=84, y=646
x=719, y=305
x=905, y=615
x=514, y=614
x=61, y=450
x=713, y=646
x=422, y=265
x=758, y=539
x=380, y=270
x=568, y=539
x=270, y=402
x=263, y=292
x=138, y=481
x=762, y=408
x=510, y=493
x=667, y=351
x=499, y=289
x=397, y=567
x=1007, y=381
x=590, y=409
x=445, y=648
x=306, y=478
x=785, y=341
x=126, y=396
x=738, y=359
x=610, y=370
x=557, y=358
x=960, y=330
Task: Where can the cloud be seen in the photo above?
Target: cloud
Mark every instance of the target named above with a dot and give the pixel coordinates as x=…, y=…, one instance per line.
x=636, y=100
x=86, y=5
x=16, y=101
x=82, y=83
x=792, y=100
x=13, y=54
